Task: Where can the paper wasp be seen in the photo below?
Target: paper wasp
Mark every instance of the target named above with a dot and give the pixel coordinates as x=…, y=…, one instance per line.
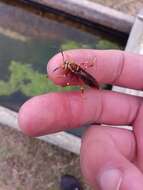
x=76, y=70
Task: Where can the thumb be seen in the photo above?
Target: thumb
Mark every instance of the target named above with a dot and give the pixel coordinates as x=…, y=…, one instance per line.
x=107, y=156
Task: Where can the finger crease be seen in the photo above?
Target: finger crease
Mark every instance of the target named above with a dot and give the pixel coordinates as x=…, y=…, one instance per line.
x=99, y=117
x=137, y=113
x=120, y=68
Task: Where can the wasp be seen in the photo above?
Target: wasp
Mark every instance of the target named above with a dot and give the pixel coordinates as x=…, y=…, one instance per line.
x=76, y=70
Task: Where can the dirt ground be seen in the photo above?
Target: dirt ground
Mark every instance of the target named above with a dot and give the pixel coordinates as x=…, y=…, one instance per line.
x=131, y=7
x=30, y=164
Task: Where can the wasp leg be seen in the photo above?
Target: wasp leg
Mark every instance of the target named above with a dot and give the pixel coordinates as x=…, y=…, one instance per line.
x=66, y=72
x=82, y=89
x=92, y=62
x=89, y=63
x=85, y=65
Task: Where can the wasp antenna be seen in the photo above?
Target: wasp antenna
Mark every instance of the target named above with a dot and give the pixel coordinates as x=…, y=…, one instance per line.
x=62, y=55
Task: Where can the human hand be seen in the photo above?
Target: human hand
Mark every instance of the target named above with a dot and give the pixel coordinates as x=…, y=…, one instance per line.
x=111, y=158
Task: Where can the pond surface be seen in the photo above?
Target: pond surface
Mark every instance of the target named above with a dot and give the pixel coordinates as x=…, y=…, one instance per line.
x=28, y=39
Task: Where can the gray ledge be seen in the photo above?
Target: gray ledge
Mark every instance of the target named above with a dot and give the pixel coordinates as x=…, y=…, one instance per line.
x=92, y=12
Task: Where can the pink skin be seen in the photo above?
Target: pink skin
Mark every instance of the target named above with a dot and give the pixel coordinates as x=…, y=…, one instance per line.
x=102, y=147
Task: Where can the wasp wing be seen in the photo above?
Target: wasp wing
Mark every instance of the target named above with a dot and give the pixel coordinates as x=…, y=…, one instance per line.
x=87, y=78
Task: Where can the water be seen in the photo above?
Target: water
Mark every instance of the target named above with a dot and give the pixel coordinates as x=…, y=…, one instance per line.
x=28, y=39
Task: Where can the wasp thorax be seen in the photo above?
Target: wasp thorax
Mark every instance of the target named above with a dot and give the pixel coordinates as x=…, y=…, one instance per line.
x=65, y=65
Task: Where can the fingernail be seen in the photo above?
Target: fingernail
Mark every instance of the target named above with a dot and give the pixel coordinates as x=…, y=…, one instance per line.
x=110, y=179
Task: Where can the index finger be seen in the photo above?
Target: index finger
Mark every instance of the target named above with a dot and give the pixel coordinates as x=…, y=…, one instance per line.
x=110, y=67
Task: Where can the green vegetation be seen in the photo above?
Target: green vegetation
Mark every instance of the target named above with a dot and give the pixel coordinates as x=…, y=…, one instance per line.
x=73, y=45
x=30, y=82
x=101, y=44
x=106, y=44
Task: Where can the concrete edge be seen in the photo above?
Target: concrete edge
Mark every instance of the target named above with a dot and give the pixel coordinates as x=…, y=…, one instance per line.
x=92, y=12
x=63, y=140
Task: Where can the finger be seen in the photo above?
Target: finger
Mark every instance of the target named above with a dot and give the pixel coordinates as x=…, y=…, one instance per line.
x=110, y=66
x=61, y=111
x=106, y=159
